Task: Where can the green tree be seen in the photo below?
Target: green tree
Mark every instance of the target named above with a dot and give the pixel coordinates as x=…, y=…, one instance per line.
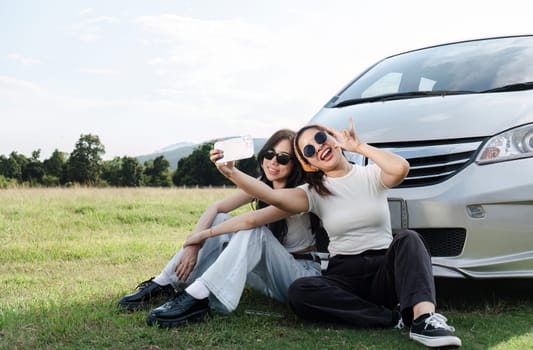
x=6, y=182
x=157, y=172
x=33, y=172
x=55, y=168
x=13, y=166
x=125, y=171
x=249, y=166
x=131, y=172
x=111, y=171
x=4, y=166
x=85, y=162
x=197, y=169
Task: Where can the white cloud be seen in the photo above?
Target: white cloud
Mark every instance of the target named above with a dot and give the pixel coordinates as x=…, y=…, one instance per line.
x=88, y=38
x=98, y=20
x=256, y=73
x=90, y=30
x=228, y=77
x=86, y=11
x=99, y=71
x=194, y=42
x=17, y=57
x=13, y=85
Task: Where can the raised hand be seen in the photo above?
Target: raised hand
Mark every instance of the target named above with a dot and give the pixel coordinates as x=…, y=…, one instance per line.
x=347, y=138
x=225, y=168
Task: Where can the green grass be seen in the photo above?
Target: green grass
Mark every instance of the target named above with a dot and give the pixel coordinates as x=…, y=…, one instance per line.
x=68, y=255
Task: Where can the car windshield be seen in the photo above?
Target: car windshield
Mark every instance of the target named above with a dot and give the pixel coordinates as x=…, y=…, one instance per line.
x=490, y=65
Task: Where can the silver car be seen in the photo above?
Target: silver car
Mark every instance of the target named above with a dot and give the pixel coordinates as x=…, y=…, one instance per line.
x=462, y=115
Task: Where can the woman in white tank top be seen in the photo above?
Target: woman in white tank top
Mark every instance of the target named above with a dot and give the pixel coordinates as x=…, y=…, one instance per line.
x=266, y=249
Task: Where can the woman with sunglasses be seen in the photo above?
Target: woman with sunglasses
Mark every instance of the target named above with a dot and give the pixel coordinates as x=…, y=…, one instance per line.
x=264, y=249
x=373, y=279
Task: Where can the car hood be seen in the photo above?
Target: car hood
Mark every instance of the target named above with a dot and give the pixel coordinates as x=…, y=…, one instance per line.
x=433, y=118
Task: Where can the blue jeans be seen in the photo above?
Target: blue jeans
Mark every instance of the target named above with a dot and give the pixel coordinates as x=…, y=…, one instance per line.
x=254, y=257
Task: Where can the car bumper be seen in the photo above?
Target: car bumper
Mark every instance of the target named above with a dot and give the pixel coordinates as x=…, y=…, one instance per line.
x=493, y=204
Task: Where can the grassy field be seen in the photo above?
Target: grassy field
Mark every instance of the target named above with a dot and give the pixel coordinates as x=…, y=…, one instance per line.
x=68, y=255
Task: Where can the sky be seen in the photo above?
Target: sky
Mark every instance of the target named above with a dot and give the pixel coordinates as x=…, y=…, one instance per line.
x=146, y=74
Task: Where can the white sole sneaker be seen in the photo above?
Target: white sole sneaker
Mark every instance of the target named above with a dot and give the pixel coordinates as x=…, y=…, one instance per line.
x=434, y=342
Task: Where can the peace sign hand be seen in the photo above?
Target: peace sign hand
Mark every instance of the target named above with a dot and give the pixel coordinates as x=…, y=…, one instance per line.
x=347, y=139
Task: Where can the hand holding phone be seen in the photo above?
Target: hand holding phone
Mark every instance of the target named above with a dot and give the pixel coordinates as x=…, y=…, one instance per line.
x=235, y=148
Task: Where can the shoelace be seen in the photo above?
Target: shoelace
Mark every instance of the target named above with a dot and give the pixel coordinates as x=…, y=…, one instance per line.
x=144, y=284
x=438, y=321
x=177, y=298
x=400, y=324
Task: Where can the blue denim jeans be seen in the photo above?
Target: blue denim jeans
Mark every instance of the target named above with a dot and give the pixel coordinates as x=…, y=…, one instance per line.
x=254, y=257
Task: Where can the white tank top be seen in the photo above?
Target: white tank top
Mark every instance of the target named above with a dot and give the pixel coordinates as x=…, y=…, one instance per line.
x=299, y=234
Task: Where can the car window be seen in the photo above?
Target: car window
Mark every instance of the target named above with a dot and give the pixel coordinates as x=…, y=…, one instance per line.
x=427, y=84
x=473, y=66
x=388, y=84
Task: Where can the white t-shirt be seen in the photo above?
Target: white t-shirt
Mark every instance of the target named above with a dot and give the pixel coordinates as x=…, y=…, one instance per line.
x=299, y=234
x=356, y=215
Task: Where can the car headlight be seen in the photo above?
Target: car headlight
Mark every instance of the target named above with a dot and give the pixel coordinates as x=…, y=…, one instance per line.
x=512, y=144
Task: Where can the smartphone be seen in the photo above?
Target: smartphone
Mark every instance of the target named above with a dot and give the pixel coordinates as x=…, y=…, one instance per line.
x=236, y=148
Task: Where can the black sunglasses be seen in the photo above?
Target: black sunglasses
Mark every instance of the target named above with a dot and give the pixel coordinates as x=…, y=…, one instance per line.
x=320, y=138
x=282, y=158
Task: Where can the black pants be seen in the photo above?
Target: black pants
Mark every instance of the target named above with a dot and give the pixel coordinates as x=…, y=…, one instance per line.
x=365, y=289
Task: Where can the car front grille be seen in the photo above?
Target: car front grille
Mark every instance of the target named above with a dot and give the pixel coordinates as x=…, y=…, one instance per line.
x=433, y=162
x=443, y=242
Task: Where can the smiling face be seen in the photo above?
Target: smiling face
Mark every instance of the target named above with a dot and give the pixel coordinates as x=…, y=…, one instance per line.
x=274, y=171
x=318, y=148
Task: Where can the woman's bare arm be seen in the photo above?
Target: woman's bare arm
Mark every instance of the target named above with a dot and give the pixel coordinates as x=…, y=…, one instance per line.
x=293, y=200
x=243, y=221
x=225, y=205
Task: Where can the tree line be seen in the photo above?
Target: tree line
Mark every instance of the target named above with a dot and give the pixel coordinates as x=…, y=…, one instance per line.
x=85, y=166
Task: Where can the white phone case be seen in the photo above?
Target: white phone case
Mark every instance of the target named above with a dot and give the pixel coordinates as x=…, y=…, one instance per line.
x=236, y=148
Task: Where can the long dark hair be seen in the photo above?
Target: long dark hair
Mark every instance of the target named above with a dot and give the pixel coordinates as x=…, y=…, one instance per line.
x=296, y=178
x=315, y=179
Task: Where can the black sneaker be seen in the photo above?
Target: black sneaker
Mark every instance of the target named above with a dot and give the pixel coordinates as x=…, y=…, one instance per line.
x=397, y=320
x=148, y=293
x=178, y=311
x=432, y=331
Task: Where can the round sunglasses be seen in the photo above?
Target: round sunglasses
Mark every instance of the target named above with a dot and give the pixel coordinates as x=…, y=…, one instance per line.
x=320, y=138
x=282, y=158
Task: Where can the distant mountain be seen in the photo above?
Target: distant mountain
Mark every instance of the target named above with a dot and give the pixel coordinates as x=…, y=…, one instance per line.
x=175, y=146
x=173, y=155
x=175, y=152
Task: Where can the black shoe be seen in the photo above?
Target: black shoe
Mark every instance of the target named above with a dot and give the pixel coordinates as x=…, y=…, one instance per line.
x=397, y=321
x=148, y=293
x=432, y=331
x=178, y=311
